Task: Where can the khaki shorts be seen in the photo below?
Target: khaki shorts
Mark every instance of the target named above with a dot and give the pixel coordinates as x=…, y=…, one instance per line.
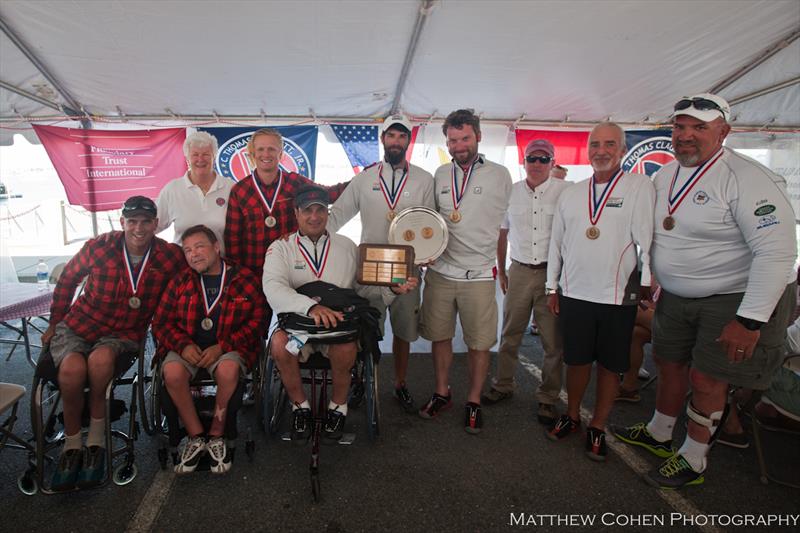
x=686, y=329
x=309, y=348
x=233, y=356
x=403, y=315
x=473, y=301
x=66, y=341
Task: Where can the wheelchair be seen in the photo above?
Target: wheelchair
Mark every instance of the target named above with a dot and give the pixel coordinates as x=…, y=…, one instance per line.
x=167, y=425
x=272, y=404
x=48, y=437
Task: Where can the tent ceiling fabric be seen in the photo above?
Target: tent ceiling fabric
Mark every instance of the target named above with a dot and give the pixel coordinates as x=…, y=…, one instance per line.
x=546, y=60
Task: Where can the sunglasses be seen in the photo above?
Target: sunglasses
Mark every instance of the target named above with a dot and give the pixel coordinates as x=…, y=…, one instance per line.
x=701, y=104
x=544, y=159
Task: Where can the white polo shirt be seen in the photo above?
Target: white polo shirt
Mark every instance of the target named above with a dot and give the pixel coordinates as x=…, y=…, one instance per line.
x=734, y=232
x=599, y=270
x=472, y=245
x=529, y=219
x=183, y=204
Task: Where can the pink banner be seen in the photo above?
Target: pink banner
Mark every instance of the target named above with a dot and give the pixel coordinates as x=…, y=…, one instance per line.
x=100, y=169
x=570, y=146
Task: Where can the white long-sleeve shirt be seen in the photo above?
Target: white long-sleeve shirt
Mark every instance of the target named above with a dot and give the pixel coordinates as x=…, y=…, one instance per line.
x=364, y=195
x=286, y=269
x=734, y=232
x=599, y=270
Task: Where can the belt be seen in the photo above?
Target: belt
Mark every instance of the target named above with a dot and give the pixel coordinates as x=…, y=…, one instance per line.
x=540, y=266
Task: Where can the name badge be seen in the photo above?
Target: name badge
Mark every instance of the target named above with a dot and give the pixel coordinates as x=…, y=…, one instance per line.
x=614, y=202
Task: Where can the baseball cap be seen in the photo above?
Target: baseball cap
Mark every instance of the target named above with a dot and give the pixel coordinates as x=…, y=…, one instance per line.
x=704, y=106
x=310, y=195
x=139, y=205
x=540, y=145
x=391, y=120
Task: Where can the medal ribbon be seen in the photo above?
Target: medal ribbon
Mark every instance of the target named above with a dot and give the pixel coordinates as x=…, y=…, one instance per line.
x=596, y=205
x=317, y=267
x=458, y=193
x=135, y=274
x=268, y=204
x=210, y=308
x=393, y=196
x=673, y=201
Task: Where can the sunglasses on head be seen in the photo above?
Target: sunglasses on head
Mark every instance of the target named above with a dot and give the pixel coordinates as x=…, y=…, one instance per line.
x=543, y=159
x=701, y=104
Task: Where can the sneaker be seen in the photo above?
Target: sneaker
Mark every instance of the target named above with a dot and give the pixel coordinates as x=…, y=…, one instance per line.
x=435, y=405
x=219, y=455
x=193, y=450
x=301, y=424
x=493, y=396
x=734, y=440
x=547, y=414
x=66, y=473
x=404, y=397
x=624, y=395
x=643, y=373
x=473, y=420
x=674, y=473
x=638, y=435
x=356, y=394
x=564, y=427
x=334, y=425
x=93, y=470
x=596, y=449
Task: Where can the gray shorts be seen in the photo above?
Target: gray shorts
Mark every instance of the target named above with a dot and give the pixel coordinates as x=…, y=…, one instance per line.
x=686, y=329
x=66, y=341
x=233, y=356
x=403, y=315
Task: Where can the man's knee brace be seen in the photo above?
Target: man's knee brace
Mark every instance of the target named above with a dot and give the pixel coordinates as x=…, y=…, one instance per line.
x=711, y=421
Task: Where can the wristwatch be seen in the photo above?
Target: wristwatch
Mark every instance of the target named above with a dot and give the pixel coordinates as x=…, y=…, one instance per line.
x=548, y=292
x=749, y=323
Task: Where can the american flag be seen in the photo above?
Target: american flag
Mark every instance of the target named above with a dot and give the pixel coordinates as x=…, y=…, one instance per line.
x=360, y=143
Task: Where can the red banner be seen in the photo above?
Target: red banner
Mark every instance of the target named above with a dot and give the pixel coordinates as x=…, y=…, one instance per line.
x=100, y=169
x=411, y=141
x=570, y=145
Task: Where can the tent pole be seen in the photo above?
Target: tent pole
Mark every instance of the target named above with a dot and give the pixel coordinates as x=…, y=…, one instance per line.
x=22, y=92
x=766, y=90
x=422, y=16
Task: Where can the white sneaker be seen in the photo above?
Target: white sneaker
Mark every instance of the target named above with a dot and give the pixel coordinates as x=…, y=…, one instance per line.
x=218, y=452
x=192, y=452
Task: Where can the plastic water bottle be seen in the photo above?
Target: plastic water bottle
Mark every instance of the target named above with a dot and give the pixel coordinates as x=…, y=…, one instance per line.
x=42, y=275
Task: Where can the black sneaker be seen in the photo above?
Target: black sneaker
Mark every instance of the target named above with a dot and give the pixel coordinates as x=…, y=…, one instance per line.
x=404, y=397
x=93, y=470
x=356, y=394
x=219, y=455
x=674, y=473
x=301, y=424
x=596, y=449
x=334, y=425
x=473, y=420
x=638, y=435
x=193, y=450
x=66, y=473
x=435, y=405
x=564, y=427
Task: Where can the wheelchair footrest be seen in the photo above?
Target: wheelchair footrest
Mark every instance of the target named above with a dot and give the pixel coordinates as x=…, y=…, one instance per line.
x=346, y=440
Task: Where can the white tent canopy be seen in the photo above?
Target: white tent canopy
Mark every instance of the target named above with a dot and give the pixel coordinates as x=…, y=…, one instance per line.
x=529, y=62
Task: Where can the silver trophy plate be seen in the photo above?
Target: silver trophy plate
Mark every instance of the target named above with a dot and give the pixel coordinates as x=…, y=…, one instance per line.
x=422, y=228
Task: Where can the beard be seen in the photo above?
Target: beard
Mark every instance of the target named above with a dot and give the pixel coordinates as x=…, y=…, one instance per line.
x=688, y=160
x=394, y=156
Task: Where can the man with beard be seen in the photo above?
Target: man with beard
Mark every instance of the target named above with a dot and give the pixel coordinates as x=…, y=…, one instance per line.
x=380, y=192
x=723, y=253
x=593, y=280
x=472, y=194
x=209, y=317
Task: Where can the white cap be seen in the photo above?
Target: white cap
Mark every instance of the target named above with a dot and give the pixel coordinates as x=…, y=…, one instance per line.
x=706, y=115
x=391, y=120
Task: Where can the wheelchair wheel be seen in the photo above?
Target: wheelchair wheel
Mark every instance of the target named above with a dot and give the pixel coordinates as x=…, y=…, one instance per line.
x=273, y=398
x=144, y=389
x=125, y=473
x=373, y=407
x=26, y=483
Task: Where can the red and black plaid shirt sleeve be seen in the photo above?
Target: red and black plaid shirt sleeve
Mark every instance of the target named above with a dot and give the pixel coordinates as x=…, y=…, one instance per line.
x=169, y=324
x=247, y=237
x=75, y=270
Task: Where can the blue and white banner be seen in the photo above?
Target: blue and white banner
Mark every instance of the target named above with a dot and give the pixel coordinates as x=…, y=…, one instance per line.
x=360, y=143
x=648, y=151
x=299, y=150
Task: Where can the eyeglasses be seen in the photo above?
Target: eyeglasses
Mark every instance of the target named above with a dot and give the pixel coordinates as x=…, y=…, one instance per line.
x=543, y=159
x=701, y=104
x=138, y=203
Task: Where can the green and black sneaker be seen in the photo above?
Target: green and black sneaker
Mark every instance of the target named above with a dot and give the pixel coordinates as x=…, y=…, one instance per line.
x=638, y=435
x=674, y=473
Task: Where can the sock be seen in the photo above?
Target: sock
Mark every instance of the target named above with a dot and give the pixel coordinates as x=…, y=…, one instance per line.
x=97, y=432
x=695, y=453
x=72, y=442
x=333, y=406
x=304, y=405
x=660, y=427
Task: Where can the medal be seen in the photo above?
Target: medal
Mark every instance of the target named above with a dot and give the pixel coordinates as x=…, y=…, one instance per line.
x=270, y=221
x=674, y=201
x=592, y=232
x=392, y=196
x=596, y=205
x=390, y=215
x=135, y=275
x=669, y=223
x=207, y=324
x=317, y=264
x=456, y=192
x=455, y=217
x=134, y=302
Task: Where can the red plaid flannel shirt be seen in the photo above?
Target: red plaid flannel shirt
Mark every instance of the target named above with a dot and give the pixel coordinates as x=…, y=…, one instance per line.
x=246, y=235
x=102, y=308
x=242, y=313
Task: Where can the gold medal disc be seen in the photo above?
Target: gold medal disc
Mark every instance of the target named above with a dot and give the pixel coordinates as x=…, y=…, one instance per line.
x=455, y=217
x=669, y=223
x=207, y=324
x=134, y=302
x=390, y=215
x=270, y=221
x=593, y=232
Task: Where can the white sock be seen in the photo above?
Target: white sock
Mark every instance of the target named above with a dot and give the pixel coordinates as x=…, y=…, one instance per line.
x=73, y=442
x=304, y=405
x=333, y=406
x=660, y=426
x=695, y=453
x=97, y=432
